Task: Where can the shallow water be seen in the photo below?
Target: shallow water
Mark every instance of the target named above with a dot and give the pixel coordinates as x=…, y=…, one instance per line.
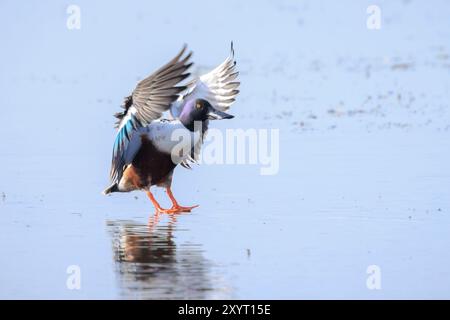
x=364, y=150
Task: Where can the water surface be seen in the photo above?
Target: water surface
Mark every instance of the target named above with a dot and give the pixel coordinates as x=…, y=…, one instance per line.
x=364, y=150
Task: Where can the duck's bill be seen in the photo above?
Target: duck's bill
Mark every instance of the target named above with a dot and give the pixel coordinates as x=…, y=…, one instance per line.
x=218, y=115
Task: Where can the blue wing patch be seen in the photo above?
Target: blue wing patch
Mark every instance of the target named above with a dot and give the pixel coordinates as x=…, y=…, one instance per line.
x=120, y=146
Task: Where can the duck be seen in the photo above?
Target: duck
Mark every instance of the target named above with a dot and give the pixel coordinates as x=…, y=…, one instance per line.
x=145, y=152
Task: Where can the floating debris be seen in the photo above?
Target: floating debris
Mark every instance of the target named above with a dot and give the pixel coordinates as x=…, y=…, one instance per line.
x=443, y=56
x=402, y=66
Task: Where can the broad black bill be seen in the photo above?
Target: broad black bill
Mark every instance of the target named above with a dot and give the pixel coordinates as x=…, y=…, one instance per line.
x=215, y=114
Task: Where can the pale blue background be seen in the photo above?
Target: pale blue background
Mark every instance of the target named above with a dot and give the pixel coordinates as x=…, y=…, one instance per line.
x=364, y=128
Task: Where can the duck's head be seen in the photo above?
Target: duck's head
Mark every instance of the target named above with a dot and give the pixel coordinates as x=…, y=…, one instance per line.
x=200, y=110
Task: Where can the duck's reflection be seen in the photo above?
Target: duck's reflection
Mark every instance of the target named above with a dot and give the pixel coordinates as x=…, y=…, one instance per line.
x=150, y=265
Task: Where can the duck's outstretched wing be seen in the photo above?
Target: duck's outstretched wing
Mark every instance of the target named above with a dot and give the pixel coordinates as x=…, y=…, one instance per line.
x=219, y=87
x=151, y=97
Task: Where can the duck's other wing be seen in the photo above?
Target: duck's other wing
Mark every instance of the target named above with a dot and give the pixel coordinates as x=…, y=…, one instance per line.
x=219, y=87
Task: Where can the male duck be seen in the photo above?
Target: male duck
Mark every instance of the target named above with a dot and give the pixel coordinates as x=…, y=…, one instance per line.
x=145, y=152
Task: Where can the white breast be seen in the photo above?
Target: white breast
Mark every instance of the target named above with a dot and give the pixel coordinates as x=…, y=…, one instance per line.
x=171, y=136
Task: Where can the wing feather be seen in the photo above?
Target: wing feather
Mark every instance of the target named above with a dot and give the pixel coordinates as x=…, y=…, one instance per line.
x=217, y=86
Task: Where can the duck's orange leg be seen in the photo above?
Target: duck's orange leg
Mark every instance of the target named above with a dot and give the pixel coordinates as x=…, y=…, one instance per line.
x=175, y=206
x=158, y=208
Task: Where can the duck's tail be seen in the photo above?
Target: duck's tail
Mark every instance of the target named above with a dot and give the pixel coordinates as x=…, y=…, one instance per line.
x=110, y=189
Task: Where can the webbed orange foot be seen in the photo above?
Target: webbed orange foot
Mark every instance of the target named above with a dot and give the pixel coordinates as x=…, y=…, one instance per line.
x=179, y=208
x=176, y=208
x=175, y=205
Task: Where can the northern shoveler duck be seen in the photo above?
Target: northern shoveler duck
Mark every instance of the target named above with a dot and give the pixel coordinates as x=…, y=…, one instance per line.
x=143, y=151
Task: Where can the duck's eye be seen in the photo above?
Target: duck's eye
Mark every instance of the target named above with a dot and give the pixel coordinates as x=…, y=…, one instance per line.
x=198, y=105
